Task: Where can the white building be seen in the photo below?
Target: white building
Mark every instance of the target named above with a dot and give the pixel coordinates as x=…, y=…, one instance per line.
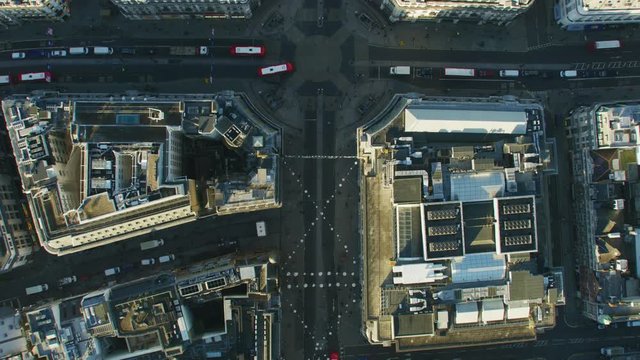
x=15, y=235
x=494, y=11
x=186, y=9
x=15, y=12
x=578, y=14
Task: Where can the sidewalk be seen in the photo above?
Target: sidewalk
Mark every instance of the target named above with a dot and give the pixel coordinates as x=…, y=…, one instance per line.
x=86, y=22
x=519, y=36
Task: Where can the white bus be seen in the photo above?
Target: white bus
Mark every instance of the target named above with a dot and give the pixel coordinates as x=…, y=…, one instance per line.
x=604, y=45
x=459, y=72
x=44, y=76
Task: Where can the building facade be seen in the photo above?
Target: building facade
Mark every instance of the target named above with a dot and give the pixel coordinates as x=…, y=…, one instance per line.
x=16, y=12
x=494, y=11
x=186, y=9
x=16, y=238
x=581, y=14
x=605, y=155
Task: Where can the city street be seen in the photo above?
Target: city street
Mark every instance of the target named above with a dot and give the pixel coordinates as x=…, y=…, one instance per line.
x=341, y=80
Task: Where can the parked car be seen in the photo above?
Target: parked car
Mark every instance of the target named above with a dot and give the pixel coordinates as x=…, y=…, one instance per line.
x=150, y=261
x=530, y=73
x=486, y=73
x=58, y=53
x=112, y=271
x=166, y=258
x=67, y=280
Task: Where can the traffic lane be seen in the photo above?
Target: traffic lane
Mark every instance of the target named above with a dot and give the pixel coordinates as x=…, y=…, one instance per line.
x=126, y=73
x=116, y=43
x=98, y=61
x=549, y=55
x=89, y=265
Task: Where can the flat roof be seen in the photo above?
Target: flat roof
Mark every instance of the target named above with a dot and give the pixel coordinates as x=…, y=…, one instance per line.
x=474, y=121
x=525, y=286
x=407, y=190
x=466, y=313
x=413, y=324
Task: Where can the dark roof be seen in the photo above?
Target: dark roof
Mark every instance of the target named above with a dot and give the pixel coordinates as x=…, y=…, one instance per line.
x=525, y=286
x=414, y=324
x=407, y=190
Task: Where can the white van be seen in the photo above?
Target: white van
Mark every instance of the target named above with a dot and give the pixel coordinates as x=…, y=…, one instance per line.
x=112, y=271
x=509, y=73
x=78, y=51
x=568, y=73
x=148, y=261
x=102, y=50
x=18, y=55
x=166, y=258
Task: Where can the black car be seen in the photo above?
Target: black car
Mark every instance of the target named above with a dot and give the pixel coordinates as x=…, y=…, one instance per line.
x=128, y=51
x=530, y=73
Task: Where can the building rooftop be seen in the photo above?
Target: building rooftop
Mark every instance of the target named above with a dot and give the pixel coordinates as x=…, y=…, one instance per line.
x=413, y=324
x=473, y=198
x=98, y=170
x=437, y=120
x=611, y=5
x=525, y=286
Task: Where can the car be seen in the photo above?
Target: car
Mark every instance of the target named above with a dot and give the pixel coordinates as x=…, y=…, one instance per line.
x=58, y=53
x=67, y=280
x=334, y=355
x=570, y=73
x=166, y=258
x=112, y=271
x=150, y=261
x=425, y=72
x=530, y=73
x=486, y=73
x=127, y=51
x=18, y=55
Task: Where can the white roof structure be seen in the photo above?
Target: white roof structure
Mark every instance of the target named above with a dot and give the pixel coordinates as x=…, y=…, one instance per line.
x=478, y=267
x=14, y=341
x=443, y=319
x=418, y=273
x=467, y=313
x=517, y=309
x=247, y=272
x=471, y=121
x=492, y=310
x=477, y=186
